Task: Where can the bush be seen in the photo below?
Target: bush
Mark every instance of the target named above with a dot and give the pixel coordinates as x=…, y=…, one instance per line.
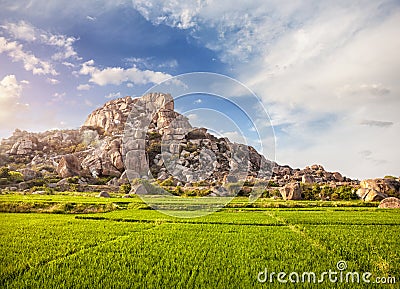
x=191, y=147
x=15, y=177
x=272, y=184
x=4, y=172
x=102, y=180
x=125, y=189
x=154, y=147
x=346, y=193
x=51, y=179
x=41, y=188
x=35, y=182
x=154, y=135
x=73, y=187
x=178, y=191
x=73, y=180
x=234, y=188
x=202, y=183
x=390, y=177
x=168, y=182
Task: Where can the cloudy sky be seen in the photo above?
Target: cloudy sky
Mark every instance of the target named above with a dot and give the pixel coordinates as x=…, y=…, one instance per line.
x=328, y=72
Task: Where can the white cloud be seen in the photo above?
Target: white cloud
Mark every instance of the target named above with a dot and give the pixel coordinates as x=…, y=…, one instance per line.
x=10, y=88
x=27, y=32
x=83, y=87
x=88, y=103
x=52, y=81
x=152, y=63
x=10, y=93
x=68, y=64
x=21, y=30
x=377, y=123
x=113, y=95
x=234, y=136
x=180, y=14
x=30, y=61
x=118, y=75
x=59, y=95
x=192, y=117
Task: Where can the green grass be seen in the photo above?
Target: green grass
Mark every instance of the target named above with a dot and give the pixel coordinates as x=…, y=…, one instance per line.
x=130, y=247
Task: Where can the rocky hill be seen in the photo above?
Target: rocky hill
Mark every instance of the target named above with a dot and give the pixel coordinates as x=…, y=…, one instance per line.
x=157, y=143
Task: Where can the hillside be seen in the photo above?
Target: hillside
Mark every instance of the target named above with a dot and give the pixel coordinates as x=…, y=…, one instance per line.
x=109, y=149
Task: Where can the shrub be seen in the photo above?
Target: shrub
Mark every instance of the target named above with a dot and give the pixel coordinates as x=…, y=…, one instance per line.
x=234, y=188
x=35, y=182
x=178, y=191
x=272, y=184
x=154, y=147
x=52, y=179
x=191, y=147
x=346, y=193
x=73, y=180
x=390, y=177
x=73, y=187
x=4, y=172
x=202, y=183
x=102, y=180
x=307, y=192
x=168, y=182
x=154, y=135
x=125, y=189
x=15, y=177
x=48, y=190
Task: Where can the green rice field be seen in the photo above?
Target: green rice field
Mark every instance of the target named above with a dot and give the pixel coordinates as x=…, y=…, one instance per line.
x=79, y=241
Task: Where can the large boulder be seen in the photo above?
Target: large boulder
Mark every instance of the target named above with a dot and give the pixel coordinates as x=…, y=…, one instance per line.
x=69, y=166
x=307, y=179
x=390, y=203
x=138, y=190
x=24, y=146
x=104, y=194
x=291, y=191
x=373, y=190
x=29, y=174
x=370, y=195
x=111, y=117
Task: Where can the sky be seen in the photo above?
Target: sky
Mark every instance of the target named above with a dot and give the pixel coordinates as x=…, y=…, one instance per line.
x=327, y=72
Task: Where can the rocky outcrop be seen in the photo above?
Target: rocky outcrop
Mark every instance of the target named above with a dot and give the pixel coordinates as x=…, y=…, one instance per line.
x=378, y=189
x=309, y=175
x=160, y=143
x=69, y=166
x=146, y=138
x=291, y=191
x=29, y=174
x=370, y=195
x=103, y=194
x=110, y=119
x=390, y=203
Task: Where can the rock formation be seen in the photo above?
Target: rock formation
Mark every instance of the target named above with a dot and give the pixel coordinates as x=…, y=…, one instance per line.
x=390, y=203
x=378, y=189
x=291, y=191
x=146, y=138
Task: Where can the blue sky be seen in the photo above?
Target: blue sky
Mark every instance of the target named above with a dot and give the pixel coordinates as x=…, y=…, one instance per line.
x=326, y=71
